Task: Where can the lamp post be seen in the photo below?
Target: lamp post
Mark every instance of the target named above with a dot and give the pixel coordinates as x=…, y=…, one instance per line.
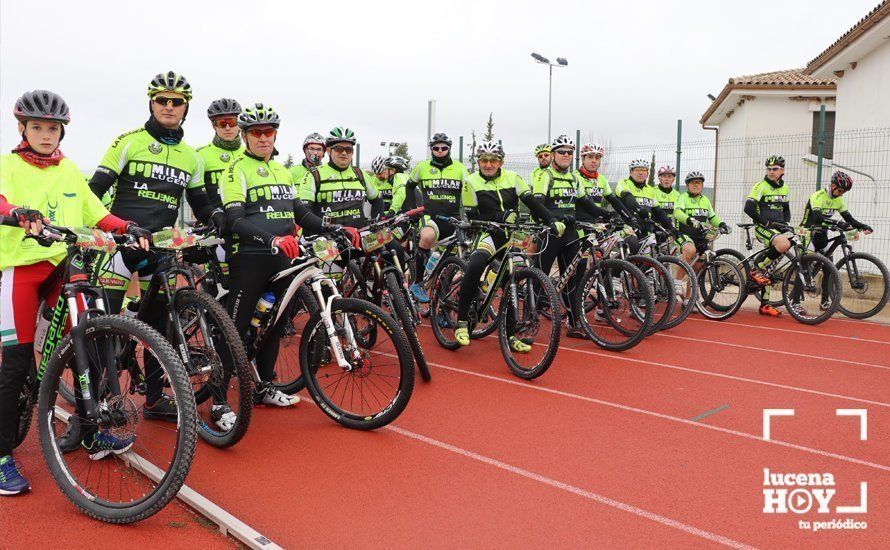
x=392, y=145
x=560, y=62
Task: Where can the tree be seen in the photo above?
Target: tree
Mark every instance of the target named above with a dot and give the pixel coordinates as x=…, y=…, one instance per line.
x=489, y=129
x=652, y=171
x=473, y=151
x=401, y=150
x=290, y=161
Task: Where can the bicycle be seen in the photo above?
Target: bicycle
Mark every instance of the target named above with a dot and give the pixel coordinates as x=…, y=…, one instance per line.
x=717, y=277
x=102, y=349
x=660, y=282
x=658, y=244
x=802, y=276
x=379, y=278
x=522, y=291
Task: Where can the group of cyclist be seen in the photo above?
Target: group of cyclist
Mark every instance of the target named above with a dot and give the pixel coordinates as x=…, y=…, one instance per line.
x=235, y=185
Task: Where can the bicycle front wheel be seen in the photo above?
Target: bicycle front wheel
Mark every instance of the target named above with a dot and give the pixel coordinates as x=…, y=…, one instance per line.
x=400, y=308
x=375, y=385
x=661, y=284
x=811, y=289
x=864, y=290
x=722, y=289
x=685, y=289
x=444, y=301
x=617, y=304
x=123, y=468
x=526, y=322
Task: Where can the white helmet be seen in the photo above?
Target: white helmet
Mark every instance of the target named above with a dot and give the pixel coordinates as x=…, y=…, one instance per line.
x=592, y=149
x=377, y=165
x=639, y=163
x=562, y=141
x=490, y=148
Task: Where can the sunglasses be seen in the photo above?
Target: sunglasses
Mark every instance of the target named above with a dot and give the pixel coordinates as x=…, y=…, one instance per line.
x=226, y=122
x=440, y=148
x=175, y=101
x=262, y=132
x=563, y=152
x=773, y=168
x=341, y=149
x=487, y=160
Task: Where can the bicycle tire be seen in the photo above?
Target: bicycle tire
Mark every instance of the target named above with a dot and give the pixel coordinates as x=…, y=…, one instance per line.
x=173, y=479
x=663, y=293
x=361, y=291
x=386, y=325
x=545, y=287
x=444, y=301
x=309, y=305
x=681, y=310
x=834, y=290
x=404, y=317
x=745, y=267
x=636, y=289
x=706, y=291
x=844, y=276
x=218, y=319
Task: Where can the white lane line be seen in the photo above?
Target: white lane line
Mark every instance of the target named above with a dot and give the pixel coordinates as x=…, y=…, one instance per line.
x=668, y=522
x=663, y=416
x=808, y=333
x=770, y=350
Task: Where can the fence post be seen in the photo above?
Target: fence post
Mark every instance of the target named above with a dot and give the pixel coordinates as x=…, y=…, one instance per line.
x=679, y=151
x=820, y=147
x=460, y=155
x=577, y=149
x=358, y=154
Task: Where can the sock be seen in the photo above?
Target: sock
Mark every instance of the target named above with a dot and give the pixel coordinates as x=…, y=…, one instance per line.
x=420, y=260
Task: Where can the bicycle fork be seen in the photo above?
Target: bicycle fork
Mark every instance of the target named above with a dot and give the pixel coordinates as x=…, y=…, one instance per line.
x=330, y=328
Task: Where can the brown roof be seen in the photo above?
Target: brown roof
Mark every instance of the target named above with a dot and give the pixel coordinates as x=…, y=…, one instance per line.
x=881, y=11
x=790, y=79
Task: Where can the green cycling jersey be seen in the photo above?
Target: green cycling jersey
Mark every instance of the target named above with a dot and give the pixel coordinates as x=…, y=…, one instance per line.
x=698, y=207
x=490, y=198
x=558, y=191
x=216, y=160
x=825, y=204
x=440, y=186
x=338, y=194
x=771, y=200
x=666, y=200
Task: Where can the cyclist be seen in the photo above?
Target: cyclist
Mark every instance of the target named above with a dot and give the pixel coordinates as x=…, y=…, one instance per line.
x=544, y=157
x=441, y=180
x=226, y=145
x=493, y=194
x=640, y=198
x=38, y=185
x=562, y=194
x=767, y=205
x=313, y=150
x=595, y=185
x=150, y=167
x=665, y=192
x=384, y=180
x=691, y=211
x=822, y=206
x=262, y=209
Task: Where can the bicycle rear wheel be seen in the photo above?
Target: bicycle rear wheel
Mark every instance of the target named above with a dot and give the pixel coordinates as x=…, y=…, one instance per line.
x=527, y=323
x=115, y=489
x=864, y=290
x=617, y=304
x=377, y=386
x=444, y=301
x=288, y=376
x=400, y=308
x=685, y=289
x=661, y=285
x=811, y=289
x=721, y=288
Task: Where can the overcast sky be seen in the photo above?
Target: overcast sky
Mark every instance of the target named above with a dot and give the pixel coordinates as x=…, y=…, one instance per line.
x=635, y=67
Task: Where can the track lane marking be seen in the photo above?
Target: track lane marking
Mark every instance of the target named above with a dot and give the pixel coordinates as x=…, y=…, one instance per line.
x=808, y=333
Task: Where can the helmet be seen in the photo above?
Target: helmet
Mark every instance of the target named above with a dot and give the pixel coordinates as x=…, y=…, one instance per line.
x=695, y=175
x=340, y=134
x=378, y=164
x=592, y=149
x=775, y=160
x=639, y=163
x=542, y=148
x=842, y=180
x=224, y=106
x=170, y=82
x=440, y=137
x=562, y=141
x=41, y=104
x=490, y=148
x=258, y=115
x=668, y=169
x=315, y=138
x=397, y=163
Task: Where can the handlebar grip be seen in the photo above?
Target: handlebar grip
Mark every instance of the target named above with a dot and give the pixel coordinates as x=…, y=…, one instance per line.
x=415, y=211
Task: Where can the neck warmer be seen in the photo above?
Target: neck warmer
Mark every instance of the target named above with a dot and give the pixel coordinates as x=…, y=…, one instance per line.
x=775, y=184
x=34, y=158
x=441, y=163
x=494, y=177
x=164, y=135
x=228, y=145
x=589, y=175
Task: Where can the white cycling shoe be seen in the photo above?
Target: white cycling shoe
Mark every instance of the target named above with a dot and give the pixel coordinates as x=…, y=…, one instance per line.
x=268, y=395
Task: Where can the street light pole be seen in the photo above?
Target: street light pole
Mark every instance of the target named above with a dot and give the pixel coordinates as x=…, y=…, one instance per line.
x=560, y=62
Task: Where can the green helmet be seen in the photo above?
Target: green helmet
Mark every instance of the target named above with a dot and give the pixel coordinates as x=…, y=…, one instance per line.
x=258, y=115
x=170, y=82
x=775, y=160
x=340, y=134
x=542, y=148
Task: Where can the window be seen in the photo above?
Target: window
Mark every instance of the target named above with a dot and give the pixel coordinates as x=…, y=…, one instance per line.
x=828, y=146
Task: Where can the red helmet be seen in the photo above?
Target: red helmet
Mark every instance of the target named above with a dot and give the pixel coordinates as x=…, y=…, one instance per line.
x=842, y=180
x=667, y=170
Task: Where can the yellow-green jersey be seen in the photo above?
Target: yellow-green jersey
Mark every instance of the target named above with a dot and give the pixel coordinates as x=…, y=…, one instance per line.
x=826, y=205
x=338, y=194
x=489, y=199
x=440, y=186
x=666, y=200
x=216, y=160
x=771, y=200
x=558, y=191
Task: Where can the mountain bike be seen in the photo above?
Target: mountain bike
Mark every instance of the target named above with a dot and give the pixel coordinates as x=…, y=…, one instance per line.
x=110, y=356
x=658, y=244
x=863, y=277
x=721, y=285
x=660, y=282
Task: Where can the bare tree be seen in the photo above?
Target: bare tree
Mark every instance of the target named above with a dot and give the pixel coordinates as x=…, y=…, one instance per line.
x=401, y=150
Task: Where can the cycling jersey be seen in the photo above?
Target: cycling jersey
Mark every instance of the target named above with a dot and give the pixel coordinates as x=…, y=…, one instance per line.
x=597, y=189
x=558, y=191
x=491, y=198
x=338, y=194
x=666, y=200
x=150, y=177
x=58, y=192
x=266, y=192
x=440, y=187
x=399, y=184
x=298, y=172
x=822, y=201
x=216, y=159
x=771, y=201
x=698, y=207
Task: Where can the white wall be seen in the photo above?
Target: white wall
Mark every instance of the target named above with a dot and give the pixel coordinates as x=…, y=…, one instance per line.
x=863, y=93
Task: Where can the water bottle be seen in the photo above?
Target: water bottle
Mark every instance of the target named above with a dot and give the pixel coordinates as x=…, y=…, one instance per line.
x=431, y=263
x=263, y=307
x=131, y=309
x=490, y=276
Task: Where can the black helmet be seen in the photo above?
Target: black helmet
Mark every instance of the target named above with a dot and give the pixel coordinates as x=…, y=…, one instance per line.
x=41, y=104
x=440, y=137
x=695, y=175
x=842, y=180
x=170, y=82
x=775, y=160
x=223, y=106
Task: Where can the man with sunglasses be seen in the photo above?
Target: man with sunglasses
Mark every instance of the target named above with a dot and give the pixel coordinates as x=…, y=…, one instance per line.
x=544, y=156
x=596, y=185
x=641, y=200
x=226, y=145
x=440, y=180
x=313, y=152
x=151, y=168
x=768, y=206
